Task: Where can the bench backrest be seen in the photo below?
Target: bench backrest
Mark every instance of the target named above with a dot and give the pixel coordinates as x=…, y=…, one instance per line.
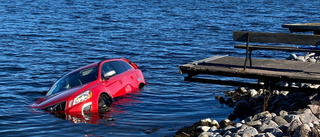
x=276, y=38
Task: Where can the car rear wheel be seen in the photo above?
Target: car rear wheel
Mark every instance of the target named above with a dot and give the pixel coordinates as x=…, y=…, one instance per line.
x=104, y=102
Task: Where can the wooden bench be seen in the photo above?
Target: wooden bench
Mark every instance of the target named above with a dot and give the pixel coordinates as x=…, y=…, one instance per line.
x=271, y=70
x=312, y=41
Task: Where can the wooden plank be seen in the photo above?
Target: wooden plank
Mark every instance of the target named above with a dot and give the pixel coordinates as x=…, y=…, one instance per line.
x=276, y=38
x=282, y=48
x=300, y=27
x=249, y=85
x=269, y=69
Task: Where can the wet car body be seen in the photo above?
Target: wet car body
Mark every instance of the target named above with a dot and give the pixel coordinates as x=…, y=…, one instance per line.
x=92, y=88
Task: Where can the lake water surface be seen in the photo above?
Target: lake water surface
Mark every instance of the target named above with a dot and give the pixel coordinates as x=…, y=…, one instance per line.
x=42, y=40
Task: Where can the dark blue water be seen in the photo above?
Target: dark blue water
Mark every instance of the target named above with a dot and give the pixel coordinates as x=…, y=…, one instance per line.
x=42, y=40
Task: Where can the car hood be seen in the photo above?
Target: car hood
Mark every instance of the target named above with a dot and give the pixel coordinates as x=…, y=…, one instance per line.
x=59, y=97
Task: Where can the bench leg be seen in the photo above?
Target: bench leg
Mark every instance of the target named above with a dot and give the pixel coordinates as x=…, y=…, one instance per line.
x=250, y=58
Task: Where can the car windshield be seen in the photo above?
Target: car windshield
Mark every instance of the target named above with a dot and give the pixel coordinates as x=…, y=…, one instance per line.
x=74, y=79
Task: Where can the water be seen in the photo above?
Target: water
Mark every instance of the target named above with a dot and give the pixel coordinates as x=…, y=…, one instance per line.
x=42, y=40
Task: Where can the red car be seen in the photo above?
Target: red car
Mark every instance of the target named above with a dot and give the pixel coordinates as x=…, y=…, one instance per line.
x=92, y=88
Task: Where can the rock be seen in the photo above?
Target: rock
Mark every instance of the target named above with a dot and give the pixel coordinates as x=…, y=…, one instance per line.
x=232, y=117
x=274, y=131
x=293, y=125
x=290, y=118
x=265, y=135
x=292, y=57
x=244, y=126
x=250, y=132
x=214, y=123
x=230, y=128
x=213, y=129
x=237, y=125
x=221, y=100
x=311, y=60
x=284, y=128
x=204, y=122
x=279, y=120
x=302, y=131
x=207, y=134
x=315, y=109
x=230, y=103
x=261, y=115
x=307, y=117
x=254, y=123
x=301, y=58
x=242, y=90
x=225, y=122
x=253, y=93
x=266, y=125
x=243, y=109
x=203, y=128
x=283, y=113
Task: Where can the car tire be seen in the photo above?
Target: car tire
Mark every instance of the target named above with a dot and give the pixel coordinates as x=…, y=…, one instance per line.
x=104, y=103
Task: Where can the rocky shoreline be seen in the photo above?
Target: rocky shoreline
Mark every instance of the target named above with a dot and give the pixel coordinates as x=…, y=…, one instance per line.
x=287, y=113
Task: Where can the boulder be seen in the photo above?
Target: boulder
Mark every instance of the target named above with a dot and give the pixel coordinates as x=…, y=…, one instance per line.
x=279, y=120
x=250, y=132
x=274, y=131
x=254, y=123
x=283, y=113
x=253, y=93
x=293, y=125
x=207, y=134
x=315, y=109
x=262, y=115
x=237, y=125
x=307, y=117
x=203, y=128
x=243, y=109
x=292, y=57
x=242, y=90
x=225, y=122
x=265, y=135
x=290, y=118
x=205, y=122
x=302, y=131
x=214, y=123
x=266, y=125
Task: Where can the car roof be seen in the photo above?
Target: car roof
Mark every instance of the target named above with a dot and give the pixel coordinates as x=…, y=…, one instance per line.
x=95, y=64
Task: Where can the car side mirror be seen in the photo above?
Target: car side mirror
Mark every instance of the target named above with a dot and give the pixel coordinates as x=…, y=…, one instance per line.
x=109, y=74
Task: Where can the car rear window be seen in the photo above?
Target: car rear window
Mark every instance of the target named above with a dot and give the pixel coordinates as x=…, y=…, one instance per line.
x=125, y=65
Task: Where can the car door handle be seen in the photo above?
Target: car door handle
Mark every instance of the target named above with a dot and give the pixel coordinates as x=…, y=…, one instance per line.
x=131, y=77
x=120, y=81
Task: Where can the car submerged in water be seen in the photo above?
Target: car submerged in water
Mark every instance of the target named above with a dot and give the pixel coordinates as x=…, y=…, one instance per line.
x=92, y=88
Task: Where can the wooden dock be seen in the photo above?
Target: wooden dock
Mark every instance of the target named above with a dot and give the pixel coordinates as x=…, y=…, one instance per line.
x=267, y=69
x=303, y=27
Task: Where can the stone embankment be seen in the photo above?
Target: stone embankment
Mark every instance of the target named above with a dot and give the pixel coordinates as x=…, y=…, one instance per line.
x=287, y=113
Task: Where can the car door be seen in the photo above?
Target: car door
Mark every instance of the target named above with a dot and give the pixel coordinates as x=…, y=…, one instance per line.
x=131, y=77
x=113, y=84
x=121, y=77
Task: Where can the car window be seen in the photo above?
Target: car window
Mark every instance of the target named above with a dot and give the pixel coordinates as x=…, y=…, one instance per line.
x=117, y=67
x=106, y=68
x=125, y=65
x=74, y=79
